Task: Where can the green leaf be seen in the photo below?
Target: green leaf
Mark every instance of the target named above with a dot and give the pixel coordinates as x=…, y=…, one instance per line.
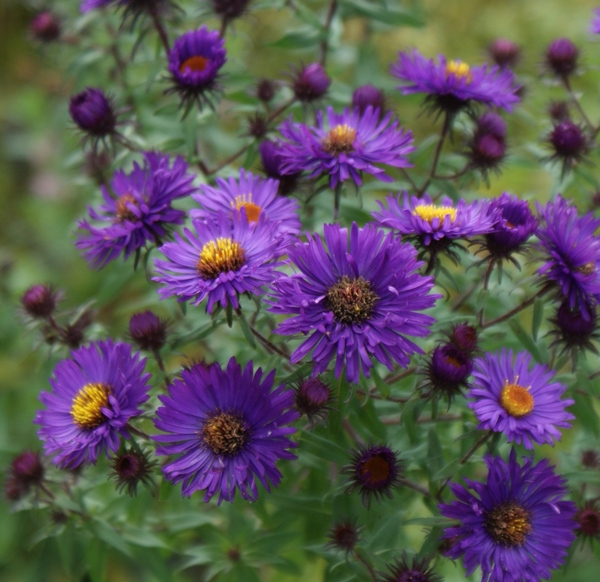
x=322, y=448
x=538, y=316
x=584, y=412
x=447, y=471
x=526, y=340
x=435, y=454
x=301, y=38
x=246, y=329
x=381, y=386
x=430, y=521
x=380, y=13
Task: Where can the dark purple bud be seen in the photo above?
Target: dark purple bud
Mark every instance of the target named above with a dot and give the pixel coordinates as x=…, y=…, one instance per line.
x=505, y=53
x=74, y=333
x=590, y=459
x=368, y=95
x=131, y=468
x=27, y=468
x=449, y=369
x=14, y=489
x=265, y=90
x=39, y=301
x=568, y=140
x=312, y=397
x=491, y=124
x=464, y=338
x=148, y=331
x=310, y=82
x=257, y=125
x=575, y=330
x=588, y=520
x=559, y=111
x=487, y=152
x=230, y=9
x=561, y=57
x=271, y=163
x=344, y=536
x=92, y=111
x=45, y=27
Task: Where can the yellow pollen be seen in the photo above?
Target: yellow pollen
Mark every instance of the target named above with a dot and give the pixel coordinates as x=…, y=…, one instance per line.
x=587, y=269
x=340, y=139
x=88, y=403
x=220, y=256
x=460, y=70
x=196, y=63
x=429, y=212
x=516, y=399
x=245, y=201
x=123, y=212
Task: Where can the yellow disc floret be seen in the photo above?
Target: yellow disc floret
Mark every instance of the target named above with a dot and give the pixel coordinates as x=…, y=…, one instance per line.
x=516, y=399
x=88, y=403
x=218, y=256
x=340, y=139
x=429, y=212
x=460, y=70
x=245, y=201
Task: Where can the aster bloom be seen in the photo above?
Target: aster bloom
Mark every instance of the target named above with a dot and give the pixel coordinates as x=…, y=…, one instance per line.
x=524, y=403
x=95, y=394
x=219, y=260
x=572, y=253
x=229, y=428
x=414, y=570
x=375, y=470
x=356, y=300
x=255, y=195
x=343, y=145
x=516, y=525
x=595, y=24
x=194, y=64
x=139, y=212
x=93, y=112
x=454, y=85
x=435, y=227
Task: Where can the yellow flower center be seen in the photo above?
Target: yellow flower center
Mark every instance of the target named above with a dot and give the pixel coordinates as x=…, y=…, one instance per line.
x=220, y=256
x=516, y=399
x=460, y=70
x=340, y=139
x=429, y=212
x=196, y=63
x=245, y=201
x=88, y=403
x=123, y=212
x=587, y=269
x=509, y=524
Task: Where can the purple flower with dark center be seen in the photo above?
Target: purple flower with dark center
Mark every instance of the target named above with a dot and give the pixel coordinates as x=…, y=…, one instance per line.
x=517, y=400
x=272, y=162
x=138, y=212
x=570, y=144
x=435, y=227
x=310, y=82
x=258, y=197
x=510, y=234
x=368, y=95
x=229, y=428
x=343, y=145
x=93, y=112
x=561, y=58
x=415, y=570
x=572, y=253
x=595, y=24
x=516, y=526
x=221, y=259
x=454, y=85
x=353, y=300
x=505, y=53
x=448, y=371
x=375, y=470
x=194, y=64
x=95, y=394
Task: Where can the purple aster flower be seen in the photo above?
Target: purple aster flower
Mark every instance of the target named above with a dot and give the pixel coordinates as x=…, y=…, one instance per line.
x=221, y=259
x=572, y=252
x=356, y=299
x=194, y=63
x=229, y=428
x=258, y=197
x=140, y=210
x=595, y=24
x=93, y=112
x=521, y=402
x=516, y=526
x=343, y=145
x=454, y=85
x=95, y=393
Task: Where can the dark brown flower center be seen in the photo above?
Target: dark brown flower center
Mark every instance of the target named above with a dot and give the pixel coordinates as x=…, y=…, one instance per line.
x=374, y=470
x=123, y=211
x=340, y=139
x=509, y=524
x=220, y=256
x=196, y=64
x=351, y=300
x=587, y=269
x=224, y=433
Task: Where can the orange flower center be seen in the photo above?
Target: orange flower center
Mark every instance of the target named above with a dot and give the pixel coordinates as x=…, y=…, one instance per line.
x=245, y=201
x=123, y=211
x=196, y=64
x=340, y=139
x=516, y=399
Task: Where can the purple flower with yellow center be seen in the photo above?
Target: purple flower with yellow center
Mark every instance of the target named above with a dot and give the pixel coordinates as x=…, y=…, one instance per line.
x=344, y=145
x=516, y=526
x=375, y=470
x=194, y=64
x=522, y=402
x=229, y=428
x=256, y=196
x=454, y=85
x=572, y=253
x=353, y=301
x=219, y=260
x=595, y=24
x=435, y=226
x=137, y=211
x=95, y=394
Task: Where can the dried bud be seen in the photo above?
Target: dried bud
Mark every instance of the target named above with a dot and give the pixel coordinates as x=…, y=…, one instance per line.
x=265, y=90
x=505, y=53
x=344, y=535
x=310, y=82
x=561, y=57
x=559, y=111
x=131, y=468
x=230, y=9
x=39, y=301
x=257, y=125
x=148, y=331
x=45, y=27
x=588, y=521
x=366, y=96
x=590, y=459
x=93, y=112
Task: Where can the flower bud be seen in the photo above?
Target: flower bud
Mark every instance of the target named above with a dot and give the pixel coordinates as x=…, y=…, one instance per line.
x=45, y=27
x=130, y=468
x=368, y=95
x=574, y=329
x=561, y=57
x=588, y=520
x=344, y=535
x=39, y=301
x=590, y=459
x=271, y=162
x=504, y=53
x=464, y=338
x=312, y=397
x=559, y=111
x=265, y=90
x=310, y=82
x=93, y=112
x=147, y=330
x=568, y=140
x=230, y=9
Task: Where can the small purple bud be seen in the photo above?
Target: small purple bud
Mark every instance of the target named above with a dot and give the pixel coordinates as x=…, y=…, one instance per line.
x=368, y=95
x=568, y=140
x=590, y=459
x=559, y=111
x=148, y=331
x=230, y=9
x=311, y=82
x=257, y=125
x=27, y=468
x=561, y=57
x=39, y=301
x=92, y=111
x=464, y=338
x=505, y=53
x=491, y=123
x=271, y=163
x=45, y=27
x=265, y=90
x=130, y=468
x=487, y=152
x=344, y=535
x=574, y=328
x=312, y=397
x=450, y=367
